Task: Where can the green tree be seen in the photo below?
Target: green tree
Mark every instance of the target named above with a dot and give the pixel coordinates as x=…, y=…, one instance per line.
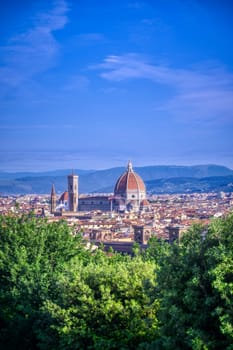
x=32, y=255
x=195, y=283
x=56, y=294
x=105, y=304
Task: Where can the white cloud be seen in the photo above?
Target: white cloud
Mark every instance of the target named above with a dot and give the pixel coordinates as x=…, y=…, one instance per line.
x=56, y=18
x=203, y=92
x=34, y=50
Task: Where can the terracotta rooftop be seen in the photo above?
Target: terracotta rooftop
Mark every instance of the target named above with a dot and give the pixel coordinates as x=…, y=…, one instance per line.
x=129, y=181
x=64, y=197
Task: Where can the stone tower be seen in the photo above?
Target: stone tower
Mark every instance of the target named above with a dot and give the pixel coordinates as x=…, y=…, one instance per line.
x=141, y=233
x=73, y=192
x=53, y=200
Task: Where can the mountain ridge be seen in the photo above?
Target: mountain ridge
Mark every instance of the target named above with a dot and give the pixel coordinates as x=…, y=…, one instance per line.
x=99, y=180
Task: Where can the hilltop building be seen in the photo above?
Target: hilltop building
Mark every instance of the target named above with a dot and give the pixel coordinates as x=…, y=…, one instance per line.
x=129, y=195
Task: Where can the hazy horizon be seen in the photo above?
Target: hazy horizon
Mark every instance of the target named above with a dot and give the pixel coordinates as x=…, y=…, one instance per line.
x=122, y=165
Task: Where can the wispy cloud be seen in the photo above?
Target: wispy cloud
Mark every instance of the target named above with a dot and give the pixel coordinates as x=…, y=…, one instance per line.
x=202, y=92
x=34, y=50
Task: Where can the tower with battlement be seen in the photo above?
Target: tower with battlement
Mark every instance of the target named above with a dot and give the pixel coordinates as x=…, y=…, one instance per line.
x=73, y=192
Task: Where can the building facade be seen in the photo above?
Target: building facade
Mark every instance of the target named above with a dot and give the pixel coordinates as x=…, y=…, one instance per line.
x=97, y=202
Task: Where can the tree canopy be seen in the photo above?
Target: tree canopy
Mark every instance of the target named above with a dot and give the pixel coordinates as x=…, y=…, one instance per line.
x=57, y=294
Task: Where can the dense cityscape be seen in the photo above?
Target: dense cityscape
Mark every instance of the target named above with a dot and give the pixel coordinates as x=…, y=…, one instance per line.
x=125, y=217
x=180, y=210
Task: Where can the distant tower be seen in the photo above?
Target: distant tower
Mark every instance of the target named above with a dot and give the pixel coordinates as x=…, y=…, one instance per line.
x=53, y=200
x=141, y=234
x=73, y=192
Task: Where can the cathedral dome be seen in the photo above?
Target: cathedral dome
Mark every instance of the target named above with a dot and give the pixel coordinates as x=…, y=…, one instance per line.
x=64, y=197
x=129, y=181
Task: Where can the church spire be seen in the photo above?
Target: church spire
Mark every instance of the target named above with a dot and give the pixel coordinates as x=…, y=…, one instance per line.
x=53, y=190
x=53, y=200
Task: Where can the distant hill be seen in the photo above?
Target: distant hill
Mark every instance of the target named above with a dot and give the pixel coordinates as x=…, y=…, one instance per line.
x=62, y=172
x=163, y=179
x=170, y=171
x=189, y=185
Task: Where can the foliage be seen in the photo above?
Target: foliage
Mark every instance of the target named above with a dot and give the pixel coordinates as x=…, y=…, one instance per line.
x=57, y=294
x=32, y=254
x=105, y=304
x=195, y=284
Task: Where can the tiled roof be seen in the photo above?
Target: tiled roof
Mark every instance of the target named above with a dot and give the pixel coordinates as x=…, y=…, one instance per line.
x=64, y=197
x=129, y=181
x=144, y=203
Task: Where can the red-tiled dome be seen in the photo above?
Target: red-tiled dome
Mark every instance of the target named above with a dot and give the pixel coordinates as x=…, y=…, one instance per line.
x=64, y=197
x=129, y=181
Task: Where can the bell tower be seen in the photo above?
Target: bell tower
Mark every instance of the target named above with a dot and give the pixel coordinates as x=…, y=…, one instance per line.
x=73, y=192
x=139, y=234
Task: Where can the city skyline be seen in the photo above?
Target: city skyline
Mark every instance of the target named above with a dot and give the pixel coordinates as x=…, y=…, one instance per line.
x=91, y=86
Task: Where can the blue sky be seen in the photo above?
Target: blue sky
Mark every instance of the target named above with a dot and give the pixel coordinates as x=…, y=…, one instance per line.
x=90, y=84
